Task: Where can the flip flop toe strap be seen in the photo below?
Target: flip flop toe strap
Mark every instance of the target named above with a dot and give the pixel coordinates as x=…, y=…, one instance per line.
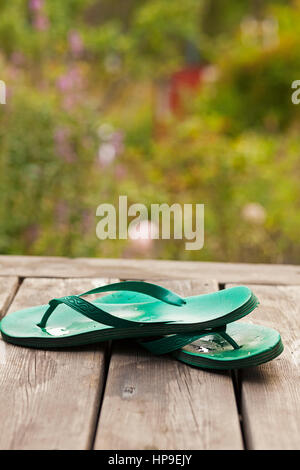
x=171, y=343
x=157, y=292
x=96, y=313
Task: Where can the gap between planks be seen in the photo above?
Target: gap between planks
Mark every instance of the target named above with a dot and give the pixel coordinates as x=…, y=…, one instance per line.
x=8, y=289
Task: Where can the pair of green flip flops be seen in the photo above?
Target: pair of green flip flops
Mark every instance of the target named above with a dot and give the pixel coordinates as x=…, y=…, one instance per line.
x=199, y=330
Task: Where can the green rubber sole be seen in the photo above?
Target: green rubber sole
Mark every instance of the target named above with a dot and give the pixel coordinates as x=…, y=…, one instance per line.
x=258, y=344
x=67, y=327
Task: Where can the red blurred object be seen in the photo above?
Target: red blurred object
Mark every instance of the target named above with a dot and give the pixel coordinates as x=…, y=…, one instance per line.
x=189, y=78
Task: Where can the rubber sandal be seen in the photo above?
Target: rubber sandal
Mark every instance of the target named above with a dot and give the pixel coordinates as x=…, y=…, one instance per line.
x=72, y=321
x=234, y=346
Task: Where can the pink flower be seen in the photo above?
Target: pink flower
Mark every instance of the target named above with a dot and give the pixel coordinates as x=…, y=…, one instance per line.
x=41, y=22
x=75, y=43
x=35, y=5
x=106, y=154
x=70, y=80
x=17, y=58
x=70, y=85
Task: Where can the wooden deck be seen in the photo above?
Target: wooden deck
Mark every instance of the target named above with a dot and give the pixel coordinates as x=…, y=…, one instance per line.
x=117, y=396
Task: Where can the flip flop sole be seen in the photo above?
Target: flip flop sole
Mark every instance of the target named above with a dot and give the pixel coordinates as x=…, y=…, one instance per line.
x=67, y=327
x=258, y=344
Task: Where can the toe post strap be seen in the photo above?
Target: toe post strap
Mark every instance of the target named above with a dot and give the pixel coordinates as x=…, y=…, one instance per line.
x=168, y=344
x=152, y=290
x=92, y=311
x=229, y=339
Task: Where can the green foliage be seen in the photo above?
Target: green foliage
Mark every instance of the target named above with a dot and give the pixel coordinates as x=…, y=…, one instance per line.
x=76, y=68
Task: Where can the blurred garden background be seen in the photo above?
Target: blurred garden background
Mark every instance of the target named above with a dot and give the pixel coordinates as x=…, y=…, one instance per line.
x=163, y=101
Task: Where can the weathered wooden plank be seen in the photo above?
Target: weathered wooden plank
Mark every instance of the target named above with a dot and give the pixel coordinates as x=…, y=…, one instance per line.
x=8, y=288
x=271, y=392
x=49, y=399
x=158, y=403
x=34, y=266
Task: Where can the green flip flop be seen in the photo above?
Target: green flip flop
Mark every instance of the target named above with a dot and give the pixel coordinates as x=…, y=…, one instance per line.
x=234, y=346
x=73, y=321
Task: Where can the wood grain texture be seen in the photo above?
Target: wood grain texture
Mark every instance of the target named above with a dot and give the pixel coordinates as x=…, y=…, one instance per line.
x=49, y=399
x=35, y=266
x=271, y=392
x=159, y=403
x=8, y=288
